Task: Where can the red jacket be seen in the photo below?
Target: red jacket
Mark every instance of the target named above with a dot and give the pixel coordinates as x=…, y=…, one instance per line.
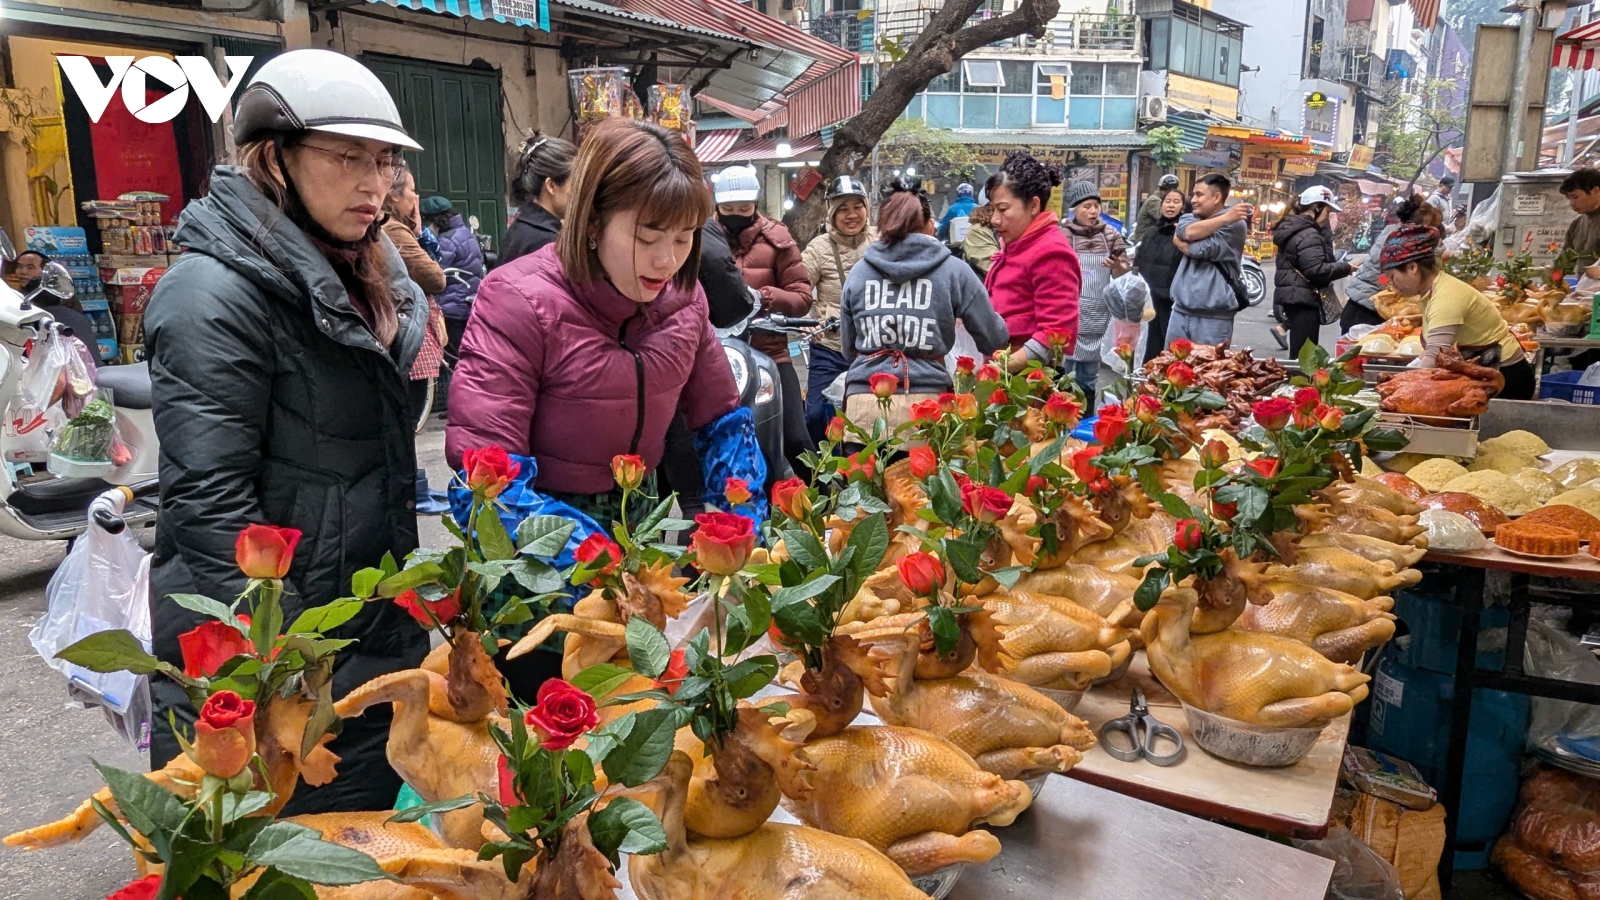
x=1034, y=283
x=573, y=375
x=770, y=260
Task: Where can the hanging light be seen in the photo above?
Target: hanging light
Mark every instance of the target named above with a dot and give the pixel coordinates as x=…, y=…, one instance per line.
x=912, y=171
x=787, y=204
x=785, y=149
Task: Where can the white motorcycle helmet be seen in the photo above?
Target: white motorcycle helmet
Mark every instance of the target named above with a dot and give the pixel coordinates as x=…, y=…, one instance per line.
x=1319, y=194
x=318, y=90
x=736, y=184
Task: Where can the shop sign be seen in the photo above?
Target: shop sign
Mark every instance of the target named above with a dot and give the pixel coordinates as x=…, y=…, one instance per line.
x=1299, y=165
x=179, y=74
x=1321, y=123
x=994, y=154
x=1213, y=155
x=1258, y=167
x=1360, y=157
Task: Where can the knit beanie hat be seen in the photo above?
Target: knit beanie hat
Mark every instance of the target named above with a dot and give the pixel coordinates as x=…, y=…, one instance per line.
x=1408, y=243
x=1080, y=192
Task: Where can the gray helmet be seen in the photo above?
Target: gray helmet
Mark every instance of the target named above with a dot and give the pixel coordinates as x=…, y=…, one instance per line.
x=318, y=90
x=1167, y=182
x=845, y=186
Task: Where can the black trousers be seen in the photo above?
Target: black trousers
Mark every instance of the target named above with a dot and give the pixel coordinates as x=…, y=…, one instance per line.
x=1155, y=339
x=1355, y=314
x=680, y=472
x=1305, y=324
x=796, y=437
x=1519, y=381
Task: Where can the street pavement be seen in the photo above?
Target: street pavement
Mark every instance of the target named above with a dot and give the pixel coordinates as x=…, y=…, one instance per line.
x=46, y=748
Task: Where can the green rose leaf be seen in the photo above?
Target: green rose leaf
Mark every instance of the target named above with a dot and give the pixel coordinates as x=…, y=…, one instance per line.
x=112, y=651
x=544, y=536
x=492, y=537
x=647, y=647
x=410, y=579
x=870, y=538
x=751, y=675
x=946, y=631
x=323, y=619
x=644, y=749
x=626, y=826
x=207, y=606
x=601, y=679
x=302, y=853
x=1149, y=591
x=365, y=582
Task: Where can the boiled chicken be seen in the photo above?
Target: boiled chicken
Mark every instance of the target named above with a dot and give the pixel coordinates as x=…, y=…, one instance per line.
x=1262, y=679
x=772, y=862
x=1338, y=625
x=833, y=695
x=598, y=625
x=1341, y=570
x=1076, y=526
x=912, y=795
x=1106, y=594
x=1366, y=492
x=1045, y=641
x=439, y=741
x=1140, y=537
x=914, y=626
x=427, y=868
x=280, y=726
x=735, y=784
x=1010, y=729
x=1368, y=548
x=1366, y=520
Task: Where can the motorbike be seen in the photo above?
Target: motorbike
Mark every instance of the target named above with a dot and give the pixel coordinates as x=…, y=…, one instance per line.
x=755, y=376
x=45, y=501
x=1254, y=279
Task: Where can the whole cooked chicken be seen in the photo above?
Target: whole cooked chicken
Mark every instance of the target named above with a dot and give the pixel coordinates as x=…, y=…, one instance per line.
x=1338, y=625
x=1262, y=679
x=773, y=862
x=1366, y=492
x=1368, y=548
x=735, y=785
x=1140, y=537
x=910, y=794
x=439, y=739
x=598, y=625
x=1075, y=525
x=833, y=694
x=1010, y=729
x=1456, y=388
x=1046, y=641
x=1366, y=520
x=1106, y=594
x=427, y=869
x=1342, y=570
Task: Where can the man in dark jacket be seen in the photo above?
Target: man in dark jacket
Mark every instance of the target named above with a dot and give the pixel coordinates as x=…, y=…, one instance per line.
x=730, y=299
x=1150, y=209
x=1306, y=266
x=275, y=403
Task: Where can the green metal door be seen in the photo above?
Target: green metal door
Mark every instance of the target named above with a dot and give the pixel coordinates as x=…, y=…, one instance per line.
x=454, y=113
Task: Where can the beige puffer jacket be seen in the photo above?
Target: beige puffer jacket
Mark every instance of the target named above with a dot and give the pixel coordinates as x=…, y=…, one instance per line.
x=828, y=274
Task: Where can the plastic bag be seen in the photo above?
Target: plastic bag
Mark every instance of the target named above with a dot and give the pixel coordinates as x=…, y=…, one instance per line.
x=1358, y=872
x=1561, y=726
x=964, y=346
x=42, y=383
x=1481, y=225
x=1451, y=531
x=100, y=586
x=89, y=436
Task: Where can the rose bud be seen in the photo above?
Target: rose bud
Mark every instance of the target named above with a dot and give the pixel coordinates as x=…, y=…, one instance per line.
x=1188, y=536
x=1082, y=463
x=628, y=470
x=1061, y=409
x=676, y=671
x=835, y=432
x=489, y=470
x=210, y=644
x=737, y=491
x=925, y=411
x=1181, y=374
x=1354, y=366
x=1181, y=348
x=444, y=609
x=265, y=551
x=988, y=374
x=722, y=542
x=1307, y=398
x=1331, y=418
x=1321, y=378
x=883, y=385
x=1224, y=511
x=561, y=713
x=792, y=498
x=999, y=397
x=1265, y=466
x=507, y=782
x=1037, y=375
x=225, y=734
x=1147, y=408
x=1112, y=423
x=986, y=504
x=591, y=550
x=966, y=406
x=1214, y=454
x=947, y=402
x=922, y=573
x=1058, y=339
x=924, y=462
x=966, y=365
x=1036, y=483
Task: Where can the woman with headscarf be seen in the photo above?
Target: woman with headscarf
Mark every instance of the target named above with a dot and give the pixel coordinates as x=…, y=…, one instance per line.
x=1363, y=284
x=1453, y=312
x=828, y=259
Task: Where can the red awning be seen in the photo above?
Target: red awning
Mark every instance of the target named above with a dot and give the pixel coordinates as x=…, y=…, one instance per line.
x=766, y=149
x=1426, y=12
x=1576, y=48
x=713, y=145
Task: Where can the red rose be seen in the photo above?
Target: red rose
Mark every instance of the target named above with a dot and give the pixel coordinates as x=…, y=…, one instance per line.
x=947, y=402
x=1273, y=413
x=792, y=498
x=1354, y=366
x=1082, y=462
x=1224, y=511
x=986, y=504
x=924, y=462
x=1181, y=374
x=921, y=573
x=1321, y=378
x=835, y=431
x=722, y=542
x=988, y=374
x=863, y=463
x=1307, y=397
x=1058, y=339
x=676, y=671
x=628, y=469
x=210, y=644
x=1036, y=483
x=1214, y=454
x=883, y=385
x=1188, y=536
x=265, y=551
x=1305, y=417
x=507, y=781
x=1330, y=417
x=444, y=609
x=225, y=734
x=1101, y=485
x=1037, y=376
x=999, y=397
x=966, y=406
x=145, y=888
x=1181, y=348
x=489, y=470
x=592, y=548
x=561, y=712
x=965, y=365
x=1147, y=408
x=1112, y=423
x=1265, y=466
x=1061, y=409
x=737, y=491
x=926, y=411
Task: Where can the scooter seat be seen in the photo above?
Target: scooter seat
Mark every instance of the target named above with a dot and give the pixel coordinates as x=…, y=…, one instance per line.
x=130, y=385
x=57, y=495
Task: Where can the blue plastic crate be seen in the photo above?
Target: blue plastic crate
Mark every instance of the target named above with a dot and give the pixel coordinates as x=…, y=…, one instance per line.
x=1564, y=386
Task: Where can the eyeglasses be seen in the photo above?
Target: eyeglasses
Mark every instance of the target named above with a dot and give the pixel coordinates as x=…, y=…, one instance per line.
x=359, y=163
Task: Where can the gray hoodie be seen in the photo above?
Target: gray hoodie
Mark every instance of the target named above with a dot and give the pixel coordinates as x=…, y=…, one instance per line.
x=905, y=298
x=1199, y=288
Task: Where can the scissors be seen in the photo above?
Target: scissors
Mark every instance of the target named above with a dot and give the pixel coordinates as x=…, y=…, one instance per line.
x=1143, y=730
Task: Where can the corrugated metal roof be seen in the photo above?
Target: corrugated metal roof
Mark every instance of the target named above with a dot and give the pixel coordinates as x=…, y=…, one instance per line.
x=766, y=149
x=1127, y=139
x=1195, y=130
x=472, y=9
x=711, y=146
x=605, y=9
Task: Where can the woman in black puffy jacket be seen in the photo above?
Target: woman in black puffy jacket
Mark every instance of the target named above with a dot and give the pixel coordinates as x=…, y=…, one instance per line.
x=1156, y=261
x=1306, y=266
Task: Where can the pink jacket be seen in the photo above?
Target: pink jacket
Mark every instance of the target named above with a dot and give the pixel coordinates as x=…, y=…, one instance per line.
x=573, y=375
x=1034, y=283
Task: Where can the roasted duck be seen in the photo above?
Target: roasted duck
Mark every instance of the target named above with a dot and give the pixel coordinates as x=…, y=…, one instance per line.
x=1456, y=388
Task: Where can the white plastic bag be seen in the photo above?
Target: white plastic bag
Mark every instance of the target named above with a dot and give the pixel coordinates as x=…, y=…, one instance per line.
x=964, y=346
x=1561, y=725
x=100, y=586
x=1481, y=225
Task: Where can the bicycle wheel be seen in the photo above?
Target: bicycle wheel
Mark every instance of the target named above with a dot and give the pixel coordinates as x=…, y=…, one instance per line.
x=427, y=408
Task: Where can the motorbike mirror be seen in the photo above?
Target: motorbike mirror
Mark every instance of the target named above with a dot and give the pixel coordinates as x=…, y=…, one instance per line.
x=8, y=250
x=57, y=281
x=472, y=222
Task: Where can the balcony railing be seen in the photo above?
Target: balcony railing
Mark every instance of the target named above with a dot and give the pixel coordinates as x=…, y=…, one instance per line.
x=1096, y=31
x=902, y=22
x=851, y=30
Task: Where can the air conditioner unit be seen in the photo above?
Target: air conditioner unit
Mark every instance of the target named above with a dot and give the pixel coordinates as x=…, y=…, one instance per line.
x=1152, y=108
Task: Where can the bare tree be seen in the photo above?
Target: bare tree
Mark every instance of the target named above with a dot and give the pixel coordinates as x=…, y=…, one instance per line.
x=946, y=39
